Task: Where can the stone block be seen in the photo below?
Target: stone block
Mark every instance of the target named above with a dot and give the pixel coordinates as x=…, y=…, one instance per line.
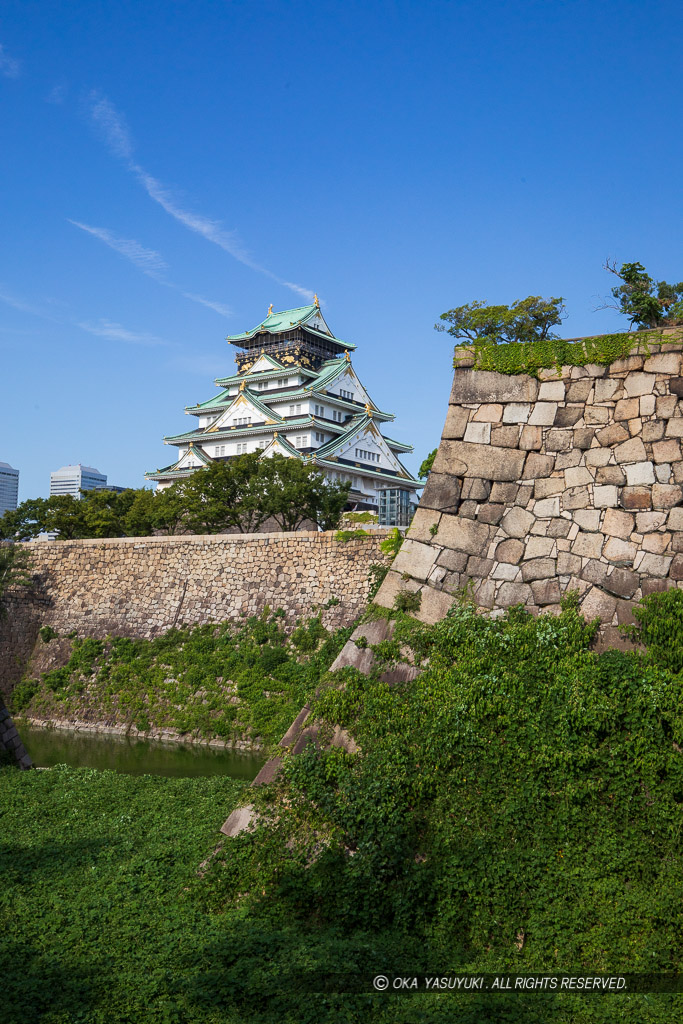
x=647, y=405
x=594, y=571
x=614, y=434
x=667, y=451
x=517, y=522
x=632, y=450
x=551, y=391
x=538, y=547
x=491, y=514
x=636, y=498
x=575, y=497
x=610, y=475
x=485, y=593
x=488, y=413
x=479, y=386
x=653, y=431
x=513, y=593
x=468, y=509
x=583, y=437
x=588, y=519
x=568, y=564
x=626, y=409
x=392, y=586
x=617, y=550
x=676, y=568
x=546, y=508
x=656, y=542
x=598, y=456
x=504, y=492
x=605, y=496
x=461, y=535
x=505, y=571
x=588, y=545
x=665, y=406
x=639, y=474
x=653, y=565
x=664, y=362
x=531, y=438
x=423, y=520
x=547, y=486
x=538, y=466
x=646, y=522
x=477, y=566
x=559, y=440
x=666, y=495
x=598, y=605
x=577, y=476
x=543, y=414
x=663, y=472
x=618, y=524
x=674, y=427
x=676, y=386
x=674, y=520
x=442, y=492
x=461, y=458
x=475, y=489
x=627, y=364
x=637, y=384
x=596, y=415
x=509, y=551
x=239, y=820
x=654, y=586
x=478, y=433
x=416, y=559
x=516, y=412
x=546, y=591
x=579, y=390
x=568, y=416
x=606, y=389
x=677, y=541
x=505, y=437
x=622, y=583
x=456, y=422
x=434, y=606
x=454, y=561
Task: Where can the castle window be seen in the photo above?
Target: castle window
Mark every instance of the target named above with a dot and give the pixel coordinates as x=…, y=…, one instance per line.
x=242, y=448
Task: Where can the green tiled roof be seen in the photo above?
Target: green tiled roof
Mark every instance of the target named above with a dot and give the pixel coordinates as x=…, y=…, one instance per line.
x=278, y=323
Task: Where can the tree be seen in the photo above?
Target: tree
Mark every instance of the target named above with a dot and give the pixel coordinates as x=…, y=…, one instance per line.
x=647, y=303
x=526, y=320
x=294, y=492
x=224, y=496
x=24, y=522
x=426, y=466
x=15, y=565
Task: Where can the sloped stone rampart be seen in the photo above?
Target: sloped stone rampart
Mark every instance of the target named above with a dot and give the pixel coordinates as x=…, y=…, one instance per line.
x=143, y=586
x=573, y=481
x=10, y=741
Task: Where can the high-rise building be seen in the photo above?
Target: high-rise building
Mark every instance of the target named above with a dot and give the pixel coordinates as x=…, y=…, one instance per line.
x=74, y=479
x=296, y=394
x=9, y=488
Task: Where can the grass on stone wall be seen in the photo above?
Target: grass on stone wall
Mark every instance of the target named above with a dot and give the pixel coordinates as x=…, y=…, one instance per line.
x=211, y=681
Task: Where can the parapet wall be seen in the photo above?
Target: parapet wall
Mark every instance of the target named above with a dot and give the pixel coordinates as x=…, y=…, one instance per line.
x=141, y=587
x=573, y=481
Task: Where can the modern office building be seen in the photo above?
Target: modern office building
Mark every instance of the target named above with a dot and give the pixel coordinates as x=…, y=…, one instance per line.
x=297, y=394
x=74, y=479
x=9, y=488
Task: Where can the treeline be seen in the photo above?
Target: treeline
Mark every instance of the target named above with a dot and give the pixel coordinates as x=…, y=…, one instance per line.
x=241, y=494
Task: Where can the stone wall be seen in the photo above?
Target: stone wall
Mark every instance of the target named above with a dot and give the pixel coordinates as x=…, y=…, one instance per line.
x=569, y=482
x=10, y=740
x=141, y=587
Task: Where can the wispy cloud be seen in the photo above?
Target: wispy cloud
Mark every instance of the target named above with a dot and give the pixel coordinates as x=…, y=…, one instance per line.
x=57, y=94
x=10, y=67
x=112, y=125
x=117, y=332
x=148, y=261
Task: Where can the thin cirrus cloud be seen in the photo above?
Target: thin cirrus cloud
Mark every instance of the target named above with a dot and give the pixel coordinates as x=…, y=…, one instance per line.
x=10, y=67
x=114, y=130
x=117, y=332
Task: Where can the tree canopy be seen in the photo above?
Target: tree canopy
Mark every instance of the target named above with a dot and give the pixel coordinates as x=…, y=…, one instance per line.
x=239, y=494
x=646, y=302
x=530, y=319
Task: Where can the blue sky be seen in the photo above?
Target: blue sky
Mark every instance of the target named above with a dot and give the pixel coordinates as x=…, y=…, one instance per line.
x=170, y=169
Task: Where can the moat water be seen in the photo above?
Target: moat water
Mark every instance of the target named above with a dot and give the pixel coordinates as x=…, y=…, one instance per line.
x=48, y=747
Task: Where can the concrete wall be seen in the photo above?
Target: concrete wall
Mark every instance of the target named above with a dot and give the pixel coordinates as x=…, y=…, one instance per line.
x=141, y=587
x=573, y=481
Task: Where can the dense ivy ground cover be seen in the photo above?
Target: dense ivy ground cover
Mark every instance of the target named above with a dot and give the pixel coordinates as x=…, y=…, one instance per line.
x=517, y=807
x=213, y=680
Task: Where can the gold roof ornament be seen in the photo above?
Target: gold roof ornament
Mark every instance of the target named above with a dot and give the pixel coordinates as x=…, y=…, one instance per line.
x=243, y=385
x=316, y=300
x=368, y=410
x=347, y=357
x=274, y=434
x=270, y=309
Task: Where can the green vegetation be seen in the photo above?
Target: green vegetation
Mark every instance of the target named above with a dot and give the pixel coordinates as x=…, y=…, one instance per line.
x=238, y=494
x=359, y=517
x=15, y=566
x=426, y=464
x=343, y=536
x=526, y=320
x=647, y=303
x=214, y=680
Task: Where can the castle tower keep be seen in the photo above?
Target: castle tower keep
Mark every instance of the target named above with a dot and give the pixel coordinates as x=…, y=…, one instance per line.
x=572, y=481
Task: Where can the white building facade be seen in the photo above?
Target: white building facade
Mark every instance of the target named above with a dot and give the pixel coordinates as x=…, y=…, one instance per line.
x=9, y=488
x=74, y=479
x=296, y=394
